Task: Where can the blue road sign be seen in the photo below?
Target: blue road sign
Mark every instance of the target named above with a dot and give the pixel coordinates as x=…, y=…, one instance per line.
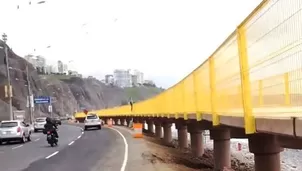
x=42, y=100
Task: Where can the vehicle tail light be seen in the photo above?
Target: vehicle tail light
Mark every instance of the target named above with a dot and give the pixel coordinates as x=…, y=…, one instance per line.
x=18, y=129
x=48, y=132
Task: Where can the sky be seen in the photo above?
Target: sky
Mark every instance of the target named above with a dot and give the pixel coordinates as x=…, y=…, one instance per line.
x=165, y=39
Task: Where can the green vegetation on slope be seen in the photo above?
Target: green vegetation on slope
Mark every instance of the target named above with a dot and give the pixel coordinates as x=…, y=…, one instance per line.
x=141, y=93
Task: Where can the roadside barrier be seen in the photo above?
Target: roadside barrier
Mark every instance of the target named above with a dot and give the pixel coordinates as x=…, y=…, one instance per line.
x=138, y=130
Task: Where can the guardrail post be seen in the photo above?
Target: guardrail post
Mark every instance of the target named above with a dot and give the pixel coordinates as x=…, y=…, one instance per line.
x=287, y=89
x=260, y=87
x=185, y=113
x=215, y=116
x=197, y=110
x=249, y=119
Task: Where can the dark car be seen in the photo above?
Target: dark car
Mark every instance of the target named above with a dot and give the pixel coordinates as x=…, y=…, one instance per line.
x=57, y=121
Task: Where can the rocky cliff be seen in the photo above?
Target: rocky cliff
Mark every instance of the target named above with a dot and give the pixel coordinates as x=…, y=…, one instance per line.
x=70, y=93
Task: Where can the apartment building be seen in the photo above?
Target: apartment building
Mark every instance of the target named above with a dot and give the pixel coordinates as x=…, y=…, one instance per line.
x=122, y=78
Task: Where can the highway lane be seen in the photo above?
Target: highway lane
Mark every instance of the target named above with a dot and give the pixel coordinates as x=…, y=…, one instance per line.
x=15, y=157
x=97, y=150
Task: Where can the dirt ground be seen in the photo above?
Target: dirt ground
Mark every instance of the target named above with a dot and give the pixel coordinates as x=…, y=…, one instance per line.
x=183, y=160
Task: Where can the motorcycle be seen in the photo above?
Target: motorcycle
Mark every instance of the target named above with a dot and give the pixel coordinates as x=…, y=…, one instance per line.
x=51, y=139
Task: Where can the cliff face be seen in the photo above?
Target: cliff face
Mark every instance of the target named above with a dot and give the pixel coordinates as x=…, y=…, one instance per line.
x=70, y=93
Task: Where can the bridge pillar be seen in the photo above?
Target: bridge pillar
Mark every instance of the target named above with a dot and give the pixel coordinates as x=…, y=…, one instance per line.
x=135, y=120
x=167, y=133
x=222, y=155
x=150, y=126
x=128, y=121
x=182, y=133
x=196, y=139
x=116, y=121
x=158, y=129
x=266, y=149
x=122, y=121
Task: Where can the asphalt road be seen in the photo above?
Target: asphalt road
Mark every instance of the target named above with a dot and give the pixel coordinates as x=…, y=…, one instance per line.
x=92, y=150
x=96, y=150
x=16, y=156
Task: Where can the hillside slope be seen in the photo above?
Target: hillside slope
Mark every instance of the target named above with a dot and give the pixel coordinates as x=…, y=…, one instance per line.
x=71, y=93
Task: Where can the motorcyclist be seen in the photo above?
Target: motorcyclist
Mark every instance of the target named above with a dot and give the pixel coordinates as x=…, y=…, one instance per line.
x=51, y=126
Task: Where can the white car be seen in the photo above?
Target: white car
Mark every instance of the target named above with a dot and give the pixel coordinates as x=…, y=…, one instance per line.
x=39, y=124
x=92, y=120
x=12, y=130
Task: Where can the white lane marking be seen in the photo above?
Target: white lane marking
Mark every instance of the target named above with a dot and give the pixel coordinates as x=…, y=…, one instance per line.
x=126, y=150
x=17, y=147
x=37, y=139
x=52, y=155
x=79, y=136
x=82, y=133
x=82, y=129
x=71, y=143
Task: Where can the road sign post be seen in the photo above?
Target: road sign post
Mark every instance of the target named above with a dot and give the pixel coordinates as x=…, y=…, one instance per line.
x=42, y=100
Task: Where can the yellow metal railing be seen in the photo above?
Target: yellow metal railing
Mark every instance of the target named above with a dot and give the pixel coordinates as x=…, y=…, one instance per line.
x=258, y=66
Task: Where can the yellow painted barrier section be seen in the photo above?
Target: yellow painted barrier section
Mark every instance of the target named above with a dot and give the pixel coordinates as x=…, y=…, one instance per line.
x=80, y=115
x=259, y=66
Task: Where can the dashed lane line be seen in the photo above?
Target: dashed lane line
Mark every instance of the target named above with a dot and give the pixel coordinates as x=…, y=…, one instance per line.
x=17, y=147
x=52, y=155
x=71, y=143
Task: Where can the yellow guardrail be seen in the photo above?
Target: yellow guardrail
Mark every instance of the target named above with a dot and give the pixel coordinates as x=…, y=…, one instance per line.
x=258, y=66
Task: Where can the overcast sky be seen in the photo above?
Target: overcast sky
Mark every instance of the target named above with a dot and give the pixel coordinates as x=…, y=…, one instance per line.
x=165, y=39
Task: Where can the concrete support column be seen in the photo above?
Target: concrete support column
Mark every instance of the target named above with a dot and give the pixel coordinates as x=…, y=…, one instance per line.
x=167, y=133
x=150, y=126
x=158, y=130
x=196, y=139
x=222, y=155
x=266, y=149
x=128, y=121
x=116, y=121
x=135, y=120
x=182, y=134
x=122, y=120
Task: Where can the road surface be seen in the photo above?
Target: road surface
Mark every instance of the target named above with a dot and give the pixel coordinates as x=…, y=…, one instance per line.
x=92, y=150
x=16, y=156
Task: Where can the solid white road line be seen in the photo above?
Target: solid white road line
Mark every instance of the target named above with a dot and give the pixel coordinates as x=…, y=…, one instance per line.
x=37, y=139
x=52, y=155
x=71, y=143
x=79, y=136
x=17, y=147
x=126, y=150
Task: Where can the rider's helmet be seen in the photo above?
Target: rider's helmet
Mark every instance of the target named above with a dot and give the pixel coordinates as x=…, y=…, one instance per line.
x=48, y=119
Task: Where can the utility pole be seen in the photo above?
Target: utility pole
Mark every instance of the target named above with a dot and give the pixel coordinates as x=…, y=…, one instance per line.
x=9, y=88
x=29, y=96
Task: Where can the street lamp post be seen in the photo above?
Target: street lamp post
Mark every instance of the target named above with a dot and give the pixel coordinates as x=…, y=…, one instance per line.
x=29, y=96
x=11, y=117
